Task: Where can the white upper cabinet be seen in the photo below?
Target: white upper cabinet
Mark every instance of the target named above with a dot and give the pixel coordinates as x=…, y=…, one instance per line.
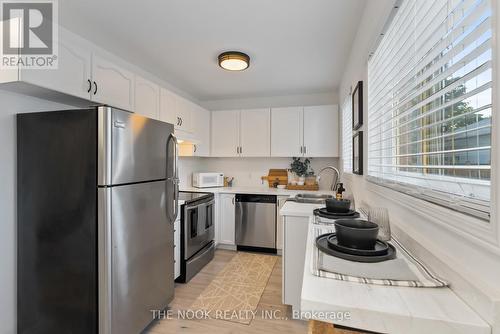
x=112, y=84
x=73, y=75
x=287, y=132
x=225, y=133
x=245, y=133
x=191, y=122
x=305, y=131
x=255, y=133
x=147, y=98
x=200, y=121
x=321, y=131
x=176, y=110
x=183, y=114
x=168, y=106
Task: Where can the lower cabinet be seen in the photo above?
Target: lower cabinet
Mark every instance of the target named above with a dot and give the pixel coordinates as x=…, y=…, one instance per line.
x=177, y=248
x=226, y=219
x=295, y=230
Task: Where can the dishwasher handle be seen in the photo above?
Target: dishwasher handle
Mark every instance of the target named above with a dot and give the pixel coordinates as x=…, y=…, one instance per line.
x=251, y=198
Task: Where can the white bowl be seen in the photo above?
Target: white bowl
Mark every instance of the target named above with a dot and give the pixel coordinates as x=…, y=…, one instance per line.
x=281, y=186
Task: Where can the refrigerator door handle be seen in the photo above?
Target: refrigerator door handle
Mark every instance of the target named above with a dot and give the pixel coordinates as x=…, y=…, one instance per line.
x=174, y=180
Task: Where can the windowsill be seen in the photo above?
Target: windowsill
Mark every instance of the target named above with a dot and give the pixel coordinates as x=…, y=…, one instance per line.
x=467, y=227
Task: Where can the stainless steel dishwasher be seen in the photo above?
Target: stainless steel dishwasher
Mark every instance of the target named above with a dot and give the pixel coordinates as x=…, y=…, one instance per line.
x=256, y=222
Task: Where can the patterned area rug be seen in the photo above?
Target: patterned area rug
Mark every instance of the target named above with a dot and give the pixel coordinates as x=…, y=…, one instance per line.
x=235, y=293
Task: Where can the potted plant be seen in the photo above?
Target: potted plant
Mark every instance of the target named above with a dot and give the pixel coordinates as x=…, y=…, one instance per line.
x=301, y=169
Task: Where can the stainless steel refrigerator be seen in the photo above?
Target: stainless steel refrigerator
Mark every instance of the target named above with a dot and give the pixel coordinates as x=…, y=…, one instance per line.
x=97, y=199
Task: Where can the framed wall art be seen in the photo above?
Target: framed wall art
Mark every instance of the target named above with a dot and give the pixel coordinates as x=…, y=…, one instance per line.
x=357, y=106
x=357, y=153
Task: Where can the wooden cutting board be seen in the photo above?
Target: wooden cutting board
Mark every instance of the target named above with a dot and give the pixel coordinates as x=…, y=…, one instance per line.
x=276, y=175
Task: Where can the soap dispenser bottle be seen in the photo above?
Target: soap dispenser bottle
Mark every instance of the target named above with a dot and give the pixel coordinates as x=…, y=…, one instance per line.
x=340, y=190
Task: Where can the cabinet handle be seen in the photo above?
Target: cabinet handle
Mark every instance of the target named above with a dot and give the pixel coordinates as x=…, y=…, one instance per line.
x=95, y=88
x=301, y=149
x=241, y=149
x=181, y=122
x=305, y=149
x=237, y=149
x=233, y=200
x=178, y=121
x=195, y=148
x=90, y=85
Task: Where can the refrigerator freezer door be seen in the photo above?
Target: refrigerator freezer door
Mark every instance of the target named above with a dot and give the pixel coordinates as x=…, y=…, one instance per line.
x=141, y=242
x=131, y=147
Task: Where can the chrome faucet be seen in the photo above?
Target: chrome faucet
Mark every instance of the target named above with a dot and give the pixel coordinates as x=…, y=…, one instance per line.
x=337, y=176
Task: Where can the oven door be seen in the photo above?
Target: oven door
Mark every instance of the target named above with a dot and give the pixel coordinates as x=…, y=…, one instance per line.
x=198, y=226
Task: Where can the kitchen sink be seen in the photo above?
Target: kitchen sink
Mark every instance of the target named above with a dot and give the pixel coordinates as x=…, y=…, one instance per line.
x=311, y=198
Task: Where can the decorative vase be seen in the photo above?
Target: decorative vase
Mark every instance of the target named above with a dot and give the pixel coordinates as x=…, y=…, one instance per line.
x=310, y=180
x=292, y=178
x=301, y=180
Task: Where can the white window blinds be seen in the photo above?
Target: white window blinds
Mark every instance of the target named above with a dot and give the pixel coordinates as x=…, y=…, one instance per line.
x=430, y=103
x=347, y=135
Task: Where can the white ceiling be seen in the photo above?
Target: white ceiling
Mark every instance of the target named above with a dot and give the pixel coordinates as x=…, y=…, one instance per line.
x=296, y=46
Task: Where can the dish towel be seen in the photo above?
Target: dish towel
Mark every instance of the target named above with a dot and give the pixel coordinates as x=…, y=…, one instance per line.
x=404, y=270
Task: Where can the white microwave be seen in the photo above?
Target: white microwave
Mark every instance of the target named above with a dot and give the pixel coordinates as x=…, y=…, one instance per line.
x=206, y=180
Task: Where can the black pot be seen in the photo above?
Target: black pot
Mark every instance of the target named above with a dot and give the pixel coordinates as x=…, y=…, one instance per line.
x=359, y=234
x=334, y=205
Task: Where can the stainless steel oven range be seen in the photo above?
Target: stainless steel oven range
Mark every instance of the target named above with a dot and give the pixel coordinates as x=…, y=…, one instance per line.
x=197, y=233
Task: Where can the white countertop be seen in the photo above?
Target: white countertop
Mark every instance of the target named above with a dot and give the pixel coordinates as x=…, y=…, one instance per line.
x=253, y=190
x=299, y=209
x=384, y=309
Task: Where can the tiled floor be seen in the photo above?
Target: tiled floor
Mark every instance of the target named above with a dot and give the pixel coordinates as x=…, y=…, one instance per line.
x=185, y=295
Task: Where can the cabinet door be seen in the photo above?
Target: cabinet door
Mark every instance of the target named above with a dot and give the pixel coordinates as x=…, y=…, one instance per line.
x=74, y=69
x=200, y=120
x=321, y=131
x=147, y=98
x=114, y=85
x=227, y=219
x=255, y=133
x=168, y=106
x=279, y=224
x=225, y=133
x=218, y=222
x=294, y=253
x=286, y=132
x=183, y=114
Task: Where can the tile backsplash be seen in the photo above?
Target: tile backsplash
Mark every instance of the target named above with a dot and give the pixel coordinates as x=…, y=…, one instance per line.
x=247, y=172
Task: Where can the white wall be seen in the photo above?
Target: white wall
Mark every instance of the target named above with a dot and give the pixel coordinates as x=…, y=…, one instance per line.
x=247, y=172
x=11, y=104
x=472, y=266
x=273, y=101
x=188, y=166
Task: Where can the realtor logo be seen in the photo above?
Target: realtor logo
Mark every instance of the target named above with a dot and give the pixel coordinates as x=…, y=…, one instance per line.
x=29, y=34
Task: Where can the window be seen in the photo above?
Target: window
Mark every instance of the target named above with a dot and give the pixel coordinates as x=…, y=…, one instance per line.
x=430, y=104
x=347, y=135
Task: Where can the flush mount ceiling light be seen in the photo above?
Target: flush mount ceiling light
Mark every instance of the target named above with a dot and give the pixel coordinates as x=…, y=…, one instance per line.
x=234, y=61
